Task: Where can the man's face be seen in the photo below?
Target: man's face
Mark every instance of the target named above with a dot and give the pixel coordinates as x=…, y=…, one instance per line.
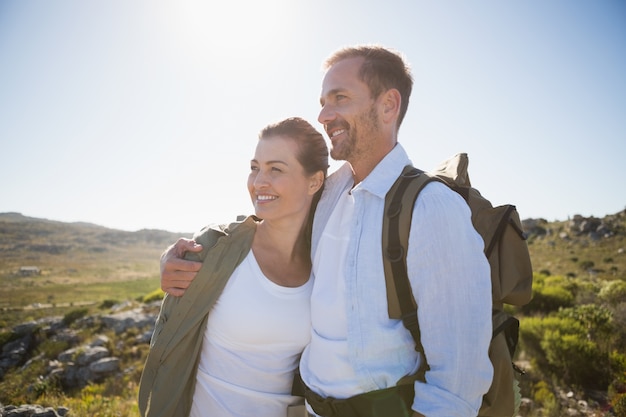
x=348, y=112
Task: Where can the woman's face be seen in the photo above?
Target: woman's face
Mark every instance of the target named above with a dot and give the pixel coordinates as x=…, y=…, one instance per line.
x=278, y=186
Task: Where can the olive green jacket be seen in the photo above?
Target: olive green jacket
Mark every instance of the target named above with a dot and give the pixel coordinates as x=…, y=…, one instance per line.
x=169, y=376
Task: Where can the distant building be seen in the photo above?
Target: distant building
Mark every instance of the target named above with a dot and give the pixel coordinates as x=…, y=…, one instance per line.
x=27, y=271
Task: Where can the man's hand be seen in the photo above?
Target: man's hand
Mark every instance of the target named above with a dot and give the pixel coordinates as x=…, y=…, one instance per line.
x=176, y=272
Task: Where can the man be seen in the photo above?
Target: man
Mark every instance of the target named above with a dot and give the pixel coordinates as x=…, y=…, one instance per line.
x=356, y=351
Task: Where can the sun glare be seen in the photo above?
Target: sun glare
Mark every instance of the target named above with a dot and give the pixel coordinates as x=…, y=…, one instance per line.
x=205, y=30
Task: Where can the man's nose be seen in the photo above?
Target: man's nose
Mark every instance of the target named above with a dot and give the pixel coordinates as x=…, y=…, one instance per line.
x=326, y=115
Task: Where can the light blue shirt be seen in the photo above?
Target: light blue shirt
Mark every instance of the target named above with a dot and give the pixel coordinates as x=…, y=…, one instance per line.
x=451, y=283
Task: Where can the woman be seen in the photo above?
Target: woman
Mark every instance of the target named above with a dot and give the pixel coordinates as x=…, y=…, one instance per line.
x=231, y=344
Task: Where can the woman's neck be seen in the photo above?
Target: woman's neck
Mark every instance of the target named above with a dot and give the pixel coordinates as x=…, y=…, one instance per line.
x=282, y=253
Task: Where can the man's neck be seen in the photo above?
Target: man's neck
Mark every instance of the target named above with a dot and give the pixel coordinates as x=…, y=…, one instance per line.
x=361, y=170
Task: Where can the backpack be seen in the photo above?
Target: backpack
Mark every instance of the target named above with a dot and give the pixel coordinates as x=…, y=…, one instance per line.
x=506, y=250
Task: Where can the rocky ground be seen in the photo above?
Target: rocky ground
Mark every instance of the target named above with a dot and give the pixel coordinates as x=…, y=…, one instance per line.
x=83, y=363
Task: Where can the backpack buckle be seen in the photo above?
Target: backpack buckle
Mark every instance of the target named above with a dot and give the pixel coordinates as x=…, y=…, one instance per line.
x=395, y=254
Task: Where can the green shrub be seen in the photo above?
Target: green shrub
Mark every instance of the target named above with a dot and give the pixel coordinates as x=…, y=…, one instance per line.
x=560, y=347
x=73, y=315
x=542, y=394
x=586, y=265
x=533, y=331
x=106, y=304
x=613, y=292
x=6, y=337
x=42, y=388
x=155, y=295
x=577, y=360
x=619, y=405
x=19, y=384
x=547, y=299
x=561, y=281
x=597, y=320
x=618, y=367
x=52, y=348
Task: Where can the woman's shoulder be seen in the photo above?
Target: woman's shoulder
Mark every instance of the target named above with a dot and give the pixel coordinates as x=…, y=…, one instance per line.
x=209, y=235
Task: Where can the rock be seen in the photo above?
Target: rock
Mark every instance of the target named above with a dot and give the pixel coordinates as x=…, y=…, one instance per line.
x=120, y=322
x=121, y=306
x=535, y=226
x=78, y=366
x=105, y=366
x=526, y=407
x=83, y=355
x=91, y=354
x=16, y=352
x=145, y=337
x=100, y=340
x=65, y=335
x=25, y=328
x=28, y=410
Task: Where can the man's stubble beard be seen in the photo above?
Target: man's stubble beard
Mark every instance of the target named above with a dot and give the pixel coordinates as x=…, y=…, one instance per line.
x=348, y=149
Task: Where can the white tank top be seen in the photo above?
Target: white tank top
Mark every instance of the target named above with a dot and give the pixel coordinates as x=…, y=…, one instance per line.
x=252, y=344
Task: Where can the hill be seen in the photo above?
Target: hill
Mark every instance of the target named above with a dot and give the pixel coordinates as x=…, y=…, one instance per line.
x=580, y=246
x=44, y=262
x=77, y=315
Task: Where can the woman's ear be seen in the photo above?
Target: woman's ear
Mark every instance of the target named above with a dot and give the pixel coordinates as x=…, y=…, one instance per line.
x=316, y=182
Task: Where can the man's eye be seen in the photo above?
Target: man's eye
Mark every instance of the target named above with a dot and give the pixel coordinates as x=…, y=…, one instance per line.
x=254, y=168
x=275, y=169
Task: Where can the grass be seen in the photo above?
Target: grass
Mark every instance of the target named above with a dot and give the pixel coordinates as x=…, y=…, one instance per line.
x=579, y=256
x=114, y=397
x=84, y=266
x=80, y=264
x=72, y=293
x=56, y=299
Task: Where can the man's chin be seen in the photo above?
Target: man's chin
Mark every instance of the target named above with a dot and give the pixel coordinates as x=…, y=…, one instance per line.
x=338, y=154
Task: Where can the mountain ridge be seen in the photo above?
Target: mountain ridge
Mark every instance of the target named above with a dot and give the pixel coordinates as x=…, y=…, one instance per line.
x=80, y=276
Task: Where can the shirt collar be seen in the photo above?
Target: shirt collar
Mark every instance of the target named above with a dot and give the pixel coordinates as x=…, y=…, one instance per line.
x=380, y=180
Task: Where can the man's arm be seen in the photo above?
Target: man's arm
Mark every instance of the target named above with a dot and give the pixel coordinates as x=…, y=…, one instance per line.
x=176, y=272
x=451, y=284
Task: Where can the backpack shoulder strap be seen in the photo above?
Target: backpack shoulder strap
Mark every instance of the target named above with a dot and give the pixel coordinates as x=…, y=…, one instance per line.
x=399, y=203
x=395, y=237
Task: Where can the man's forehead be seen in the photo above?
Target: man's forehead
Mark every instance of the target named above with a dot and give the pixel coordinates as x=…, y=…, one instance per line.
x=342, y=75
x=345, y=66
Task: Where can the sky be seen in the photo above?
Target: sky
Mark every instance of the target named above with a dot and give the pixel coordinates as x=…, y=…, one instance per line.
x=144, y=114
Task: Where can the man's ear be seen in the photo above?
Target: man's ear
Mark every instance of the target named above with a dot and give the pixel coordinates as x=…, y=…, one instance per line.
x=391, y=101
x=316, y=182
